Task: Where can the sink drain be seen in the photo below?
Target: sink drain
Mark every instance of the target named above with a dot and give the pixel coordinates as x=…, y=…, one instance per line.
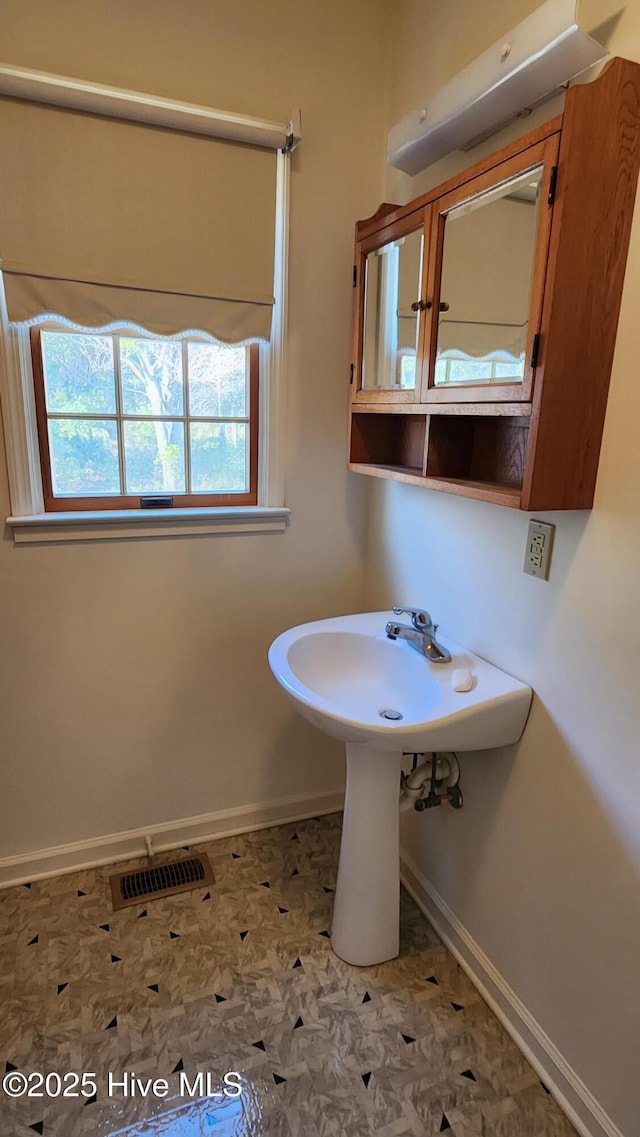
x=390, y=714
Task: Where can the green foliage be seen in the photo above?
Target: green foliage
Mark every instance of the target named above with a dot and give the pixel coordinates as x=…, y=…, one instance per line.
x=80, y=380
x=84, y=457
x=79, y=373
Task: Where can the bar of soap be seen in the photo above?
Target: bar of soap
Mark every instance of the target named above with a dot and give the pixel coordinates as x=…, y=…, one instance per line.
x=462, y=679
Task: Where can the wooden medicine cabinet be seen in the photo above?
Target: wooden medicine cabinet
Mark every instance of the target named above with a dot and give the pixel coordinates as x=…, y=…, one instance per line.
x=486, y=311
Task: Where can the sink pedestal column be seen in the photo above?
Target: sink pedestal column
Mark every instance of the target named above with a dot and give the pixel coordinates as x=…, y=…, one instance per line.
x=366, y=914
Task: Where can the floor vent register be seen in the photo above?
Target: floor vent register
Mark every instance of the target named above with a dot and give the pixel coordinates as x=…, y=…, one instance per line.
x=160, y=880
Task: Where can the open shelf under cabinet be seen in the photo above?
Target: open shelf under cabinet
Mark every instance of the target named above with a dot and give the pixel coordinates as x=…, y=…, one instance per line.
x=481, y=456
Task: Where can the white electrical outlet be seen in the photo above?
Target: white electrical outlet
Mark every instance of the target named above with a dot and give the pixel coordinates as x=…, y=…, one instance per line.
x=538, y=552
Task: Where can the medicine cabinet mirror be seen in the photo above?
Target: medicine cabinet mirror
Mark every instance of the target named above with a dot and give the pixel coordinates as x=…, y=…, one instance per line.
x=392, y=315
x=487, y=268
x=449, y=298
x=393, y=274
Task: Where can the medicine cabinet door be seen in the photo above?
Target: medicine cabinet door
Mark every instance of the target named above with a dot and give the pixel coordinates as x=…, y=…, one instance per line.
x=393, y=313
x=489, y=249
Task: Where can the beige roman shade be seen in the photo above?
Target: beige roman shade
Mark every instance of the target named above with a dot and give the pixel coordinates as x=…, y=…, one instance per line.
x=477, y=341
x=103, y=221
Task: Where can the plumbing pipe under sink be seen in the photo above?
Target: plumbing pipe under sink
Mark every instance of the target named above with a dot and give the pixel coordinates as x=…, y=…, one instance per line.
x=447, y=775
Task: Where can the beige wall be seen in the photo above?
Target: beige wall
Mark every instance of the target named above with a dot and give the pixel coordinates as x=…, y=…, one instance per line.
x=133, y=682
x=542, y=865
x=134, y=687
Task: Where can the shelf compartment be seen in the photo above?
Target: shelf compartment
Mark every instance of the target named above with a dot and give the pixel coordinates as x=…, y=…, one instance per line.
x=393, y=442
x=481, y=491
x=410, y=476
x=477, y=451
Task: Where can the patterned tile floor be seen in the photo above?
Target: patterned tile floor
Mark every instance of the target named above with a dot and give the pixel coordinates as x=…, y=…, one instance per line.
x=241, y=977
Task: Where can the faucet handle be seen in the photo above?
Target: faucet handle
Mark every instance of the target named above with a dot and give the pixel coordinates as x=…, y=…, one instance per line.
x=420, y=620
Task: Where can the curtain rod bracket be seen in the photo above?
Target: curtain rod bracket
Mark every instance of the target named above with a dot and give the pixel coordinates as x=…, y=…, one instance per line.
x=294, y=132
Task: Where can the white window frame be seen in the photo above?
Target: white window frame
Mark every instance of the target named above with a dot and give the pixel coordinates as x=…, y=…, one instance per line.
x=28, y=520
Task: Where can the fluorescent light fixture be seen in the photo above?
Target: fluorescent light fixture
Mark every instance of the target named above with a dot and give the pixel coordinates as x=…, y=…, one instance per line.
x=538, y=56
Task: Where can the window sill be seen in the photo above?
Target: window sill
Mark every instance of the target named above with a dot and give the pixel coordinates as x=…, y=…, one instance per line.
x=134, y=524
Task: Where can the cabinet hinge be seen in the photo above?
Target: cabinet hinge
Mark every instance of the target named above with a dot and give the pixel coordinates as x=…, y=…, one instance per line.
x=553, y=180
x=535, y=351
x=351, y=375
x=355, y=275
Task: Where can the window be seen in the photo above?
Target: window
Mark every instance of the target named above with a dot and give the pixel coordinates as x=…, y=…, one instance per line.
x=188, y=231
x=457, y=367
x=128, y=422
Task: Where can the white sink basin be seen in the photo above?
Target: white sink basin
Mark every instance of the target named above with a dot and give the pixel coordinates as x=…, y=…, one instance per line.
x=342, y=673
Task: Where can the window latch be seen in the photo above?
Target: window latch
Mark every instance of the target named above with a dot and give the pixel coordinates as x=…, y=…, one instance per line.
x=156, y=503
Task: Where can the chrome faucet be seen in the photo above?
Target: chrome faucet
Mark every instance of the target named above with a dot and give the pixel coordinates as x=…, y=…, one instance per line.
x=421, y=635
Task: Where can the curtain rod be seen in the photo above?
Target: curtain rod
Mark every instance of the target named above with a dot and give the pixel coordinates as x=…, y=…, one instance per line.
x=135, y=106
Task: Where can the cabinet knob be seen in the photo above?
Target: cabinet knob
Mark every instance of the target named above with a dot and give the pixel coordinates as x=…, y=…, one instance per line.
x=421, y=305
x=444, y=307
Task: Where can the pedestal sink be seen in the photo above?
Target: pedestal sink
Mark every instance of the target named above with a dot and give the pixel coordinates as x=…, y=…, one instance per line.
x=346, y=677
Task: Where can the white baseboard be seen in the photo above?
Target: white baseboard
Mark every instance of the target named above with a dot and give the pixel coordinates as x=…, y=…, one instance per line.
x=573, y=1097
x=113, y=847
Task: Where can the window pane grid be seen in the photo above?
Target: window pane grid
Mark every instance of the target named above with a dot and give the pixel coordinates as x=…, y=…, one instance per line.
x=184, y=362
x=144, y=418
x=118, y=378
x=493, y=371
x=159, y=451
